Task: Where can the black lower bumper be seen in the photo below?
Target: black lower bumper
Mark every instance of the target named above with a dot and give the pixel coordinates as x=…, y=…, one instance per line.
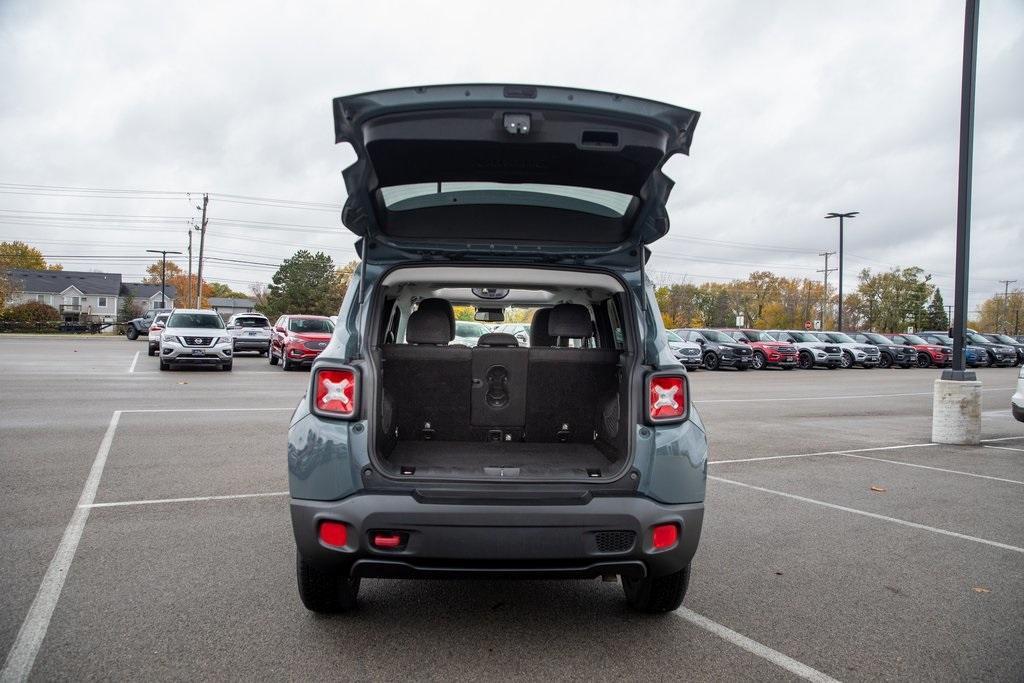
x=251, y=344
x=511, y=540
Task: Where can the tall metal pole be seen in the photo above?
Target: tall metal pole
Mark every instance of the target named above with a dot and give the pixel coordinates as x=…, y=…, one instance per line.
x=163, y=273
x=1006, y=304
x=824, y=301
x=202, y=240
x=189, y=299
x=841, y=216
x=963, y=206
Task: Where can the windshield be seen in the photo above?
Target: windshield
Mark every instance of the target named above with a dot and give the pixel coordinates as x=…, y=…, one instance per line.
x=914, y=339
x=977, y=338
x=210, y=321
x=804, y=337
x=162, y=318
x=672, y=336
x=760, y=336
x=469, y=330
x=310, y=325
x=716, y=336
x=877, y=338
x=585, y=199
x=252, y=322
x=1005, y=339
x=943, y=339
x=840, y=337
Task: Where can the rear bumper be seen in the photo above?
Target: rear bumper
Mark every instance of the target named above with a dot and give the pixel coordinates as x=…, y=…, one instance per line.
x=497, y=540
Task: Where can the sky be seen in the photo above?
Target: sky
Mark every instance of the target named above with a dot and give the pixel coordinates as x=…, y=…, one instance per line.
x=806, y=107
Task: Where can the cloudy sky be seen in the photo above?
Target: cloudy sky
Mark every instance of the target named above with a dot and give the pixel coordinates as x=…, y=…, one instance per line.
x=807, y=107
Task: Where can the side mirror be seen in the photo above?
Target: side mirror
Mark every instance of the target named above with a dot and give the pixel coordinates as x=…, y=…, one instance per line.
x=161, y=325
x=279, y=329
x=700, y=341
x=232, y=327
x=521, y=338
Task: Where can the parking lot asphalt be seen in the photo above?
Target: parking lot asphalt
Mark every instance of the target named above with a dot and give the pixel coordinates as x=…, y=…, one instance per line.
x=838, y=541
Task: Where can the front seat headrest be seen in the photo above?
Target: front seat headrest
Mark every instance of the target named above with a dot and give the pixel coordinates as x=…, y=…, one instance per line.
x=497, y=339
x=433, y=322
x=570, y=320
x=539, y=328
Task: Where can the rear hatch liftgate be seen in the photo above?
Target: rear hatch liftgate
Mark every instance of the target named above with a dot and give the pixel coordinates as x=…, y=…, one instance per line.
x=508, y=172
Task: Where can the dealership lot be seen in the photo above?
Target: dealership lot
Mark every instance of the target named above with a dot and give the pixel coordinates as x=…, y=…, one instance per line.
x=838, y=542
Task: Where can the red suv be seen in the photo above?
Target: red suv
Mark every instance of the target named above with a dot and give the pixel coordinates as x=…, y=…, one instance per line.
x=297, y=340
x=767, y=350
x=927, y=354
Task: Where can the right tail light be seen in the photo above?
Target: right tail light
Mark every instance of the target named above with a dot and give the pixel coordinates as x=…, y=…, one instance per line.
x=335, y=392
x=668, y=397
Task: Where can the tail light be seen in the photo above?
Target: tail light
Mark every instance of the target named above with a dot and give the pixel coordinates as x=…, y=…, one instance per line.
x=155, y=328
x=667, y=398
x=665, y=536
x=333, y=533
x=336, y=392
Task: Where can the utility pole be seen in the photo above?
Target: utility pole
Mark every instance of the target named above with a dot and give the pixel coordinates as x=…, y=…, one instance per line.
x=202, y=240
x=190, y=264
x=841, y=216
x=163, y=273
x=826, y=270
x=1006, y=303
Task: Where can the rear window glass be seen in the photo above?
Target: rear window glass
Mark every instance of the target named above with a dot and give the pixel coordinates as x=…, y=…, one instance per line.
x=469, y=330
x=310, y=325
x=196, y=320
x=252, y=322
x=585, y=199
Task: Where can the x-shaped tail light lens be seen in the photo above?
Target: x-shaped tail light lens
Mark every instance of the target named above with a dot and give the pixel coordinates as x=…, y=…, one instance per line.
x=335, y=392
x=666, y=398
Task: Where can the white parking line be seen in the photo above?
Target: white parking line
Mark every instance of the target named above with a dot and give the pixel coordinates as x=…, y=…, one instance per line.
x=873, y=515
x=204, y=410
x=808, y=455
x=1003, y=448
x=194, y=499
x=752, y=646
x=1003, y=438
x=135, y=360
x=937, y=469
x=22, y=654
x=772, y=399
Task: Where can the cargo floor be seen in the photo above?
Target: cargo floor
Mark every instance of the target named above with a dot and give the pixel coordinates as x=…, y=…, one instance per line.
x=469, y=458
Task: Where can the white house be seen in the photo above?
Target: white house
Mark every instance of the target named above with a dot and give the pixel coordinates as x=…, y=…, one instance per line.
x=149, y=296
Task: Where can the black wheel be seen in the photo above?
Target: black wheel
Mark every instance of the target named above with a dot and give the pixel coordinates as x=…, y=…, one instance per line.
x=885, y=361
x=285, y=365
x=924, y=360
x=323, y=592
x=846, y=361
x=165, y=366
x=132, y=333
x=990, y=360
x=273, y=358
x=661, y=594
x=711, y=361
x=758, y=362
x=806, y=361
x=152, y=351
x=226, y=367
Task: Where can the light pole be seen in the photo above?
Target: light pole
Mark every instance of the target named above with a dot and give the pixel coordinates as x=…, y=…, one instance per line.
x=163, y=272
x=841, y=216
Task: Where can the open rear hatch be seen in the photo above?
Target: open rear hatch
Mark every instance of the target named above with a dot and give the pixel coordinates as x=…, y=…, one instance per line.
x=508, y=171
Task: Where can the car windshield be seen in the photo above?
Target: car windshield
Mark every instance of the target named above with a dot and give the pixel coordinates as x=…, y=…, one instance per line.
x=1005, y=339
x=252, y=321
x=162, y=318
x=760, y=336
x=672, y=336
x=716, y=336
x=310, y=325
x=804, y=337
x=469, y=330
x=210, y=321
x=840, y=337
x=942, y=339
x=876, y=338
x=914, y=339
x=977, y=338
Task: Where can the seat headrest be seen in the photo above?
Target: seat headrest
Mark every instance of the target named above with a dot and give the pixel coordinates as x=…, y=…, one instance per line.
x=570, y=320
x=433, y=322
x=497, y=339
x=539, y=328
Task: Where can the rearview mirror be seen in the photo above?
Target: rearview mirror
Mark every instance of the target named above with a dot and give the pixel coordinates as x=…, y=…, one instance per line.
x=489, y=315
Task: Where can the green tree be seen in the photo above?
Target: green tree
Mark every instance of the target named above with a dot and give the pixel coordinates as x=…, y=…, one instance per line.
x=8, y=288
x=20, y=255
x=936, y=317
x=305, y=283
x=129, y=309
x=894, y=300
x=223, y=290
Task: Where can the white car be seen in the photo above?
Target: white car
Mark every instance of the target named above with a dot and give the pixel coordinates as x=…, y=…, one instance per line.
x=811, y=351
x=155, y=328
x=854, y=353
x=686, y=352
x=1017, y=401
x=195, y=337
x=250, y=332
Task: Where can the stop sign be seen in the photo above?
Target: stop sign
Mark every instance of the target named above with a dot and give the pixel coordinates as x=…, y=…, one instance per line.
x=808, y=325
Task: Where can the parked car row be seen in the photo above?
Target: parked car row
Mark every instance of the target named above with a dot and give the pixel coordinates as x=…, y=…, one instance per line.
x=714, y=349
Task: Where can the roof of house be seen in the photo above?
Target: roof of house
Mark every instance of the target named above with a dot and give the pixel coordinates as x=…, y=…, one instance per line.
x=56, y=281
x=142, y=290
x=229, y=302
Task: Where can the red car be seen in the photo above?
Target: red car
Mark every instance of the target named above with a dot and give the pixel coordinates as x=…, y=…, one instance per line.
x=927, y=354
x=767, y=351
x=297, y=340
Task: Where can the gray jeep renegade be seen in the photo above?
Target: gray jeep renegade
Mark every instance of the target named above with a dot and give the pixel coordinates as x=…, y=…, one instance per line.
x=578, y=456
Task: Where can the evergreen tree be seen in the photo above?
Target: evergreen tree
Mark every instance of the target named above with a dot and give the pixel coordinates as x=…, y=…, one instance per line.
x=305, y=283
x=936, y=317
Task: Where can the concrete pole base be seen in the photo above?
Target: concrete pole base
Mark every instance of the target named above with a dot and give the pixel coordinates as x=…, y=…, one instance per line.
x=956, y=412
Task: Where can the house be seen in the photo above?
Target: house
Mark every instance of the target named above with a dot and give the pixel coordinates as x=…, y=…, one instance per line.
x=72, y=293
x=227, y=306
x=149, y=296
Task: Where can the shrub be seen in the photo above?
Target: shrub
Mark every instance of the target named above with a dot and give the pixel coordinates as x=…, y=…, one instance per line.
x=31, y=312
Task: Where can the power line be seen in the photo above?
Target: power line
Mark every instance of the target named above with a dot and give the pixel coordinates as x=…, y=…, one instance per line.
x=824, y=303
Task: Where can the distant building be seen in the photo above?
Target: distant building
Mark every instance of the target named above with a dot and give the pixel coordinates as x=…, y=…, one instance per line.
x=148, y=296
x=227, y=306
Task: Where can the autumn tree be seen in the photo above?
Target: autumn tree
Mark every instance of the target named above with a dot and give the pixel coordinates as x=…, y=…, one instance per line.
x=20, y=255
x=8, y=288
x=1002, y=314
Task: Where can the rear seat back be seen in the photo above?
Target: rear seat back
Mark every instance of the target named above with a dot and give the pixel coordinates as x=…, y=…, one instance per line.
x=500, y=376
x=427, y=381
x=568, y=387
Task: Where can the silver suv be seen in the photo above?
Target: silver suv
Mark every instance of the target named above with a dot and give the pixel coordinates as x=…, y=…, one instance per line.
x=195, y=337
x=811, y=351
x=249, y=332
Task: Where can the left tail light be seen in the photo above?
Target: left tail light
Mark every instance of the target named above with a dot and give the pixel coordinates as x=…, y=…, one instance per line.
x=336, y=392
x=668, y=397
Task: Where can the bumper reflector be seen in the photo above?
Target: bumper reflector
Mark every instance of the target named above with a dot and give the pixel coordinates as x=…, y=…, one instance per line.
x=665, y=536
x=333, y=533
x=387, y=541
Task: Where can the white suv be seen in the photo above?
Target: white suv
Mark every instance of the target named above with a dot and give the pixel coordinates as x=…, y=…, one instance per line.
x=1017, y=401
x=250, y=332
x=195, y=337
x=155, y=328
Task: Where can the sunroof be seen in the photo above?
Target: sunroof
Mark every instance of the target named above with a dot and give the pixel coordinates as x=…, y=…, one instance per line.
x=427, y=195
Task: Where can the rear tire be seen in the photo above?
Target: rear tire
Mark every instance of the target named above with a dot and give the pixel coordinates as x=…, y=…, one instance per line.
x=655, y=595
x=132, y=333
x=758, y=362
x=323, y=592
x=152, y=351
x=711, y=361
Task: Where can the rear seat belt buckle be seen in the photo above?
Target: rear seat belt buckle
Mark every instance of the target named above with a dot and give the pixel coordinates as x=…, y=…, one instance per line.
x=427, y=433
x=563, y=433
